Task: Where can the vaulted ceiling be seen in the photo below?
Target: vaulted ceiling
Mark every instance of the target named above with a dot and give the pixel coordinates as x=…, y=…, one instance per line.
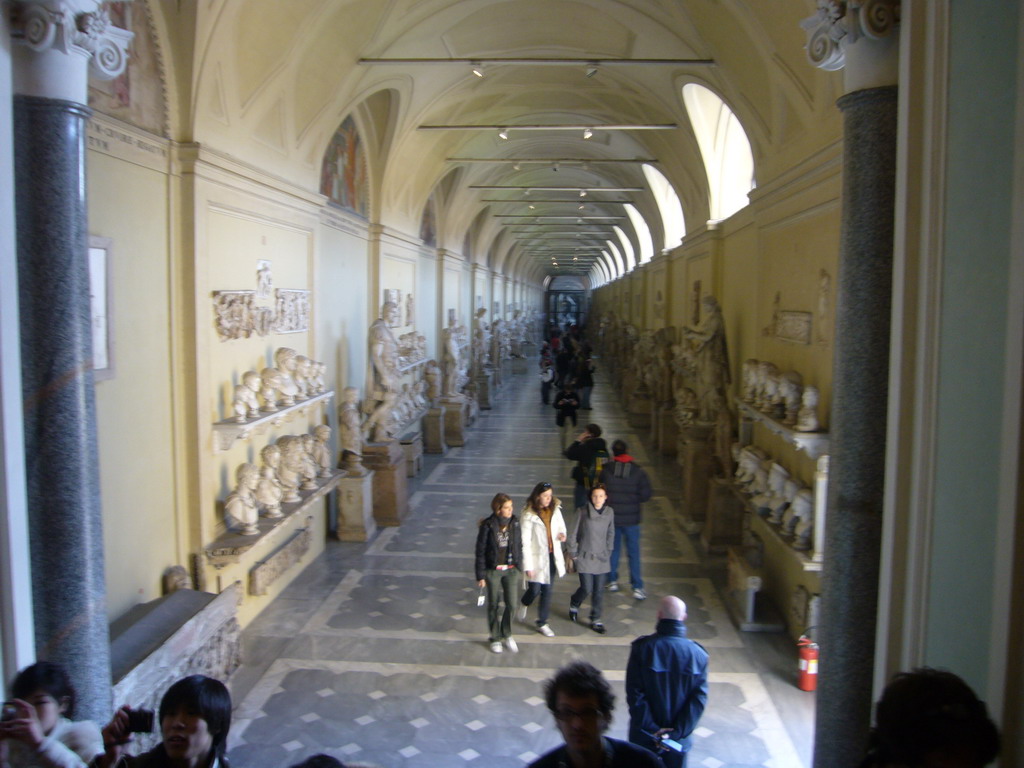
x=273, y=80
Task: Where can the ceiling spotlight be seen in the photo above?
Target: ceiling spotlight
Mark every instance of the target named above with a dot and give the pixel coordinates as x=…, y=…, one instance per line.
x=476, y=68
x=532, y=206
x=582, y=206
x=587, y=133
x=583, y=193
x=575, y=258
x=579, y=221
x=515, y=166
x=503, y=134
x=591, y=69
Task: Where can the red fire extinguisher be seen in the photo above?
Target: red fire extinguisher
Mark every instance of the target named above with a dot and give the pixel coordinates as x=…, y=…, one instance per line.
x=807, y=679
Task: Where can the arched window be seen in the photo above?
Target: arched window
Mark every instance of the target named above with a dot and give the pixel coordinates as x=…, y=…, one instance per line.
x=668, y=204
x=643, y=233
x=627, y=248
x=725, y=148
x=618, y=260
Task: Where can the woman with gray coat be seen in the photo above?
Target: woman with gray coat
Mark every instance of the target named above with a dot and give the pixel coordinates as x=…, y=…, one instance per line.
x=590, y=543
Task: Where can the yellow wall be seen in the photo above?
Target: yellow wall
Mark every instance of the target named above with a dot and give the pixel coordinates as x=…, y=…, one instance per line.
x=128, y=203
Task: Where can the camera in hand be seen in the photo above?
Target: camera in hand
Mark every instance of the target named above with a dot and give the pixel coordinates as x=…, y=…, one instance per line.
x=140, y=721
x=9, y=712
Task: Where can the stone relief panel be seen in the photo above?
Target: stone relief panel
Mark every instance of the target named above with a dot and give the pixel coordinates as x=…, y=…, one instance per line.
x=292, y=311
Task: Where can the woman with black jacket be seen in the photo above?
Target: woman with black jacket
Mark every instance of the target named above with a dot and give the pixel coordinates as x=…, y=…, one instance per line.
x=499, y=558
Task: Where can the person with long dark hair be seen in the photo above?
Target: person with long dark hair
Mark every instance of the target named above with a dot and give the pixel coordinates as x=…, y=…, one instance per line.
x=194, y=719
x=543, y=533
x=499, y=558
x=37, y=731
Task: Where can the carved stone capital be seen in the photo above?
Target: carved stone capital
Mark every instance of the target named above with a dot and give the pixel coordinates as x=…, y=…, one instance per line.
x=60, y=27
x=837, y=24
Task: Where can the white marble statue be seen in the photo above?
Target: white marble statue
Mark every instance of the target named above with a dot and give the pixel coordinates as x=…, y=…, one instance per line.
x=268, y=490
x=320, y=377
x=291, y=469
x=271, y=388
x=807, y=416
x=791, y=389
x=311, y=470
x=451, y=362
x=350, y=428
x=384, y=390
x=240, y=506
x=801, y=505
x=776, y=495
x=767, y=377
x=304, y=376
x=749, y=393
x=804, y=515
x=322, y=450
x=285, y=362
x=783, y=501
x=246, y=406
x=685, y=411
x=711, y=357
x=750, y=460
x=432, y=375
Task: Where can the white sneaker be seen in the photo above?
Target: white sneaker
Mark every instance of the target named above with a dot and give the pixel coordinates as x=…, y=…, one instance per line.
x=639, y=594
x=495, y=647
x=612, y=586
x=510, y=643
x=521, y=612
x=546, y=630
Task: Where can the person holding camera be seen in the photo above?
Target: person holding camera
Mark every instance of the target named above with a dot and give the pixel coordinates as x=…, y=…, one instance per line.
x=499, y=556
x=36, y=730
x=194, y=718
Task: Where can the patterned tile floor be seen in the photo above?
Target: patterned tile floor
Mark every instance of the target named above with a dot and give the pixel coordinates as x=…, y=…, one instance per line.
x=378, y=652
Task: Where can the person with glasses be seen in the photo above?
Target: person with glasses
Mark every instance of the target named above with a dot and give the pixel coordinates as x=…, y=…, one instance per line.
x=543, y=531
x=582, y=701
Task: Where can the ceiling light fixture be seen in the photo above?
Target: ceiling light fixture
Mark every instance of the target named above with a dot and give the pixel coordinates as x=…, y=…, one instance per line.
x=591, y=69
x=477, y=68
x=587, y=133
x=503, y=134
x=583, y=193
x=516, y=167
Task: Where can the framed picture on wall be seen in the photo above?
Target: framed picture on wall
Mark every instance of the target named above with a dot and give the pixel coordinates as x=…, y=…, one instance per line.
x=100, y=307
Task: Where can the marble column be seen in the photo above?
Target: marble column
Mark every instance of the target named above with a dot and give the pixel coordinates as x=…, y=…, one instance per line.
x=859, y=38
x=56, y=45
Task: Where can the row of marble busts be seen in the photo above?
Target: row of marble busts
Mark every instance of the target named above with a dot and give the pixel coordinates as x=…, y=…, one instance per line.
x=774, y=494
x=294, y=377
x=294, y=463
x=781, y=395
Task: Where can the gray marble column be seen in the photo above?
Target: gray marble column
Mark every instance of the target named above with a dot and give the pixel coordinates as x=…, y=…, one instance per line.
x=857, y=428
x=66, y=537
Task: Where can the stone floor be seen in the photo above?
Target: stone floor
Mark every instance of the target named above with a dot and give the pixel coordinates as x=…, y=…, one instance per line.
x=378, y=652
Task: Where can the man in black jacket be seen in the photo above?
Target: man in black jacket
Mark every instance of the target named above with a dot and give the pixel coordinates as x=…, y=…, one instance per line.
x=628, y=488
x=583, y=451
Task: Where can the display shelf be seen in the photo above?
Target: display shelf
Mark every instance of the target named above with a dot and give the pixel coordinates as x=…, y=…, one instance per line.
x=814, y=444
x=226, y=432
x=764, y=529
x=230, y=547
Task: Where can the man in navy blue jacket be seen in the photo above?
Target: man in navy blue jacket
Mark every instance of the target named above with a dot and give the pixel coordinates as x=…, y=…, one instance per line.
x=666, y=685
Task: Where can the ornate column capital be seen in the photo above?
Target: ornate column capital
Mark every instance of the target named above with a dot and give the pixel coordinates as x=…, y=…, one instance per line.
x=839, y=24
x=62, y=36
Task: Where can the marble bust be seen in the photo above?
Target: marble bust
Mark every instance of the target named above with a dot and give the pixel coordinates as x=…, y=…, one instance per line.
x=310, y=469
x=791, y=388
x=350, y=428
x=290, y=471
x=271, y=378
x=285, y=361
x=749, y=392
x=240, y=506
x=807, y=416
x=322, y=449
x=268, y=490
x=304, y=376
x=800, y=509
x=246, y=406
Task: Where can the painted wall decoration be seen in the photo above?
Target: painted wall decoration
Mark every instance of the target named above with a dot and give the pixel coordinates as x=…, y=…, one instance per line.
x=428, y=224
x=343, y=176
x=137, y=95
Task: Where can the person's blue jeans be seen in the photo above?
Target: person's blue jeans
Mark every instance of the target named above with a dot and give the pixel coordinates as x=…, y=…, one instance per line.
x=534, y=588
x=590, y=584
x=631, y=533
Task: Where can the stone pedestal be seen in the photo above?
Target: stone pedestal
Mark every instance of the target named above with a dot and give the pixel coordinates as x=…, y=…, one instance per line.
x=390, y=492
x=695, y=462
x=639, y=407
x=433, y=431
x=483, y=389
x=454, y=422
x=412, y=445
x=723, y=525
x=666, y=431
x=355, y=508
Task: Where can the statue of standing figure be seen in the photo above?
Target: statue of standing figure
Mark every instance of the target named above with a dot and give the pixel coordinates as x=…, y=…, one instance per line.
x=711, y=358
x=384, y=389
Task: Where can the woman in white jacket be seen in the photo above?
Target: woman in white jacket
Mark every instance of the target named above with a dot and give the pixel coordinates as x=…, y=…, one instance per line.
x=543, y=530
